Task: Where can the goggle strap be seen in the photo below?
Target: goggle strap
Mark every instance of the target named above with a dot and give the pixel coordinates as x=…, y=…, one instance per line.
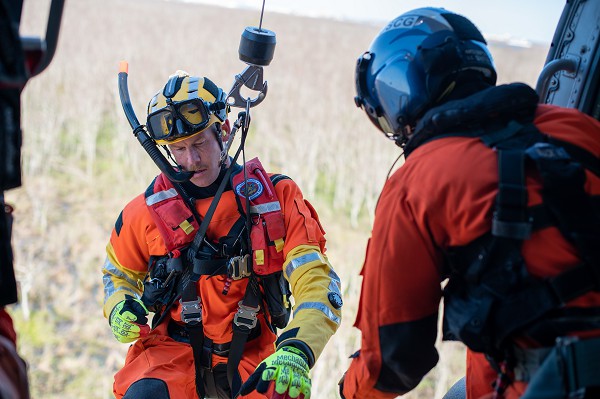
x=217, y=106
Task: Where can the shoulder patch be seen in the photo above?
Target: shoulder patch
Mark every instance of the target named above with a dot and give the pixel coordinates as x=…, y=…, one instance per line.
x=253, y=189
x=119, y=223
x=276, y=178
x=150, y=190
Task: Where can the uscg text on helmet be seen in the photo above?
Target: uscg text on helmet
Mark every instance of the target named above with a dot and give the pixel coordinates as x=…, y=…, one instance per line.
x=403, y=22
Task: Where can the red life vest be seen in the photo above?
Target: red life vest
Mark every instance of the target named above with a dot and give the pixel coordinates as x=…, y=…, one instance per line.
x=268, y=227
x=173, y=218
x=177, y=225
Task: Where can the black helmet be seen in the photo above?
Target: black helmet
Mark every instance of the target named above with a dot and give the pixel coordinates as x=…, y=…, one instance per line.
x=412, y=64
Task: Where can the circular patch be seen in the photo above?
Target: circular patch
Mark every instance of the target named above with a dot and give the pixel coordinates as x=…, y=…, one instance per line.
x=252, y=187
x=335, y=299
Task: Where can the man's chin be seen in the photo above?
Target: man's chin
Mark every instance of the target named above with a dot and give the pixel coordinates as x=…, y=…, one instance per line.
x=199, y=182
x=202, y=180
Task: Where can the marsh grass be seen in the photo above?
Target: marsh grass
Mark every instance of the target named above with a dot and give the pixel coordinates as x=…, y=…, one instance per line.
x=81, y=165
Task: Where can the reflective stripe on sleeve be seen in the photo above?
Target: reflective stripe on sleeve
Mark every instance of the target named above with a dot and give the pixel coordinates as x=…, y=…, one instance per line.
x=107, y=280
x=109, y=288
x=161, y=196
x=320, y=307
x=302, y=260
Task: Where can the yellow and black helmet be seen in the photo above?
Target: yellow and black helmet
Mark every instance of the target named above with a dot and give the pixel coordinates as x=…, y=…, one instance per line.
x=187, y=105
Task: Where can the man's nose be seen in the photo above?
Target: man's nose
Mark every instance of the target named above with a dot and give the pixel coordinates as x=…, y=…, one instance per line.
x=193, y=155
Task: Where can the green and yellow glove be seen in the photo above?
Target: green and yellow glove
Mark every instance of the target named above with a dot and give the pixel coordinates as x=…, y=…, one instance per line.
x=287, y=369
x=128, y=320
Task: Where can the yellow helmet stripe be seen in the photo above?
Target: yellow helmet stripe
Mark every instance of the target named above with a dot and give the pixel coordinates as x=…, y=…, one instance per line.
x=182, y=93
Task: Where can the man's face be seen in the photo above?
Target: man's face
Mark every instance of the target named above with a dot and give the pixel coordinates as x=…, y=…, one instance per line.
x=200, y=154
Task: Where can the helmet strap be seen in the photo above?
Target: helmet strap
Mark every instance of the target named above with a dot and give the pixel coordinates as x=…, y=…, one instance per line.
x=224, y=151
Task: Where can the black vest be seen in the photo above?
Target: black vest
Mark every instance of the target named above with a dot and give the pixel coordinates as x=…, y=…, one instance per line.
x=490, y=296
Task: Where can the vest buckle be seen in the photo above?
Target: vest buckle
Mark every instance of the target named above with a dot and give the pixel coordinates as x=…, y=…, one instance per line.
x=246, y=316
x=191, y=311
x=239, y=267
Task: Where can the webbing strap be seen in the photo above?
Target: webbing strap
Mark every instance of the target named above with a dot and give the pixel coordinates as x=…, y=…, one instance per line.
x=520, y=299
x=564, y=195
x=493, y=137
x=243, y=324
x=189, y=291
x=196, y=333
x=586, y=158
x=199, y=238
x=510, y=217
x=210, y=267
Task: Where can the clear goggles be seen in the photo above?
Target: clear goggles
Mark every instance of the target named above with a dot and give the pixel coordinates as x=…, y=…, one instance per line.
x=178, y=119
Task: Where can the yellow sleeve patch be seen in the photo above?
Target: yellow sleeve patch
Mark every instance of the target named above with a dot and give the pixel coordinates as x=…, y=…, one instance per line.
x=259, y=257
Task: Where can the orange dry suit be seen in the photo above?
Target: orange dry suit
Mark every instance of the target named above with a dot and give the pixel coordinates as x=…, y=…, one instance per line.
x=166, y=355
x=441, y=201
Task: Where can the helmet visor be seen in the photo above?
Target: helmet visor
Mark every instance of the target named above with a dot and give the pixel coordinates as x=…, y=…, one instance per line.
x=178, y=119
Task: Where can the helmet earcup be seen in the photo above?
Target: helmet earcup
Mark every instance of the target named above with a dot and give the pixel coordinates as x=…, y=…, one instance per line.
x=439, y=56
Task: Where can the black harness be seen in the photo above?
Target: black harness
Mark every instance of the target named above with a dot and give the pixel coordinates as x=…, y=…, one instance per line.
x=490, y=296
x=173, y=278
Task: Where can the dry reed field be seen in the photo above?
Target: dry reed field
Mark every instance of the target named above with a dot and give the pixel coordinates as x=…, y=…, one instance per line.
x=81, y=165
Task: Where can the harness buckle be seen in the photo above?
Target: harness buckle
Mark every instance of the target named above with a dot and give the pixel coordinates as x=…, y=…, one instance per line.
x=511, y=229
x=191, y=311
x=239, y=267
x=246, y=316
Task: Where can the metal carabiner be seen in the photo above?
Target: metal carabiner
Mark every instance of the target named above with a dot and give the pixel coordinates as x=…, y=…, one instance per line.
x=252, y=78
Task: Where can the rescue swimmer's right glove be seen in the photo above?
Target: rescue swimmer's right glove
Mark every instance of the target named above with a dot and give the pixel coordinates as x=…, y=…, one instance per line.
x=128, y=320
x=287, y=368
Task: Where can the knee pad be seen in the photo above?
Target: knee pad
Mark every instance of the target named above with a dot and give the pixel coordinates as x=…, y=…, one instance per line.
x=147, y=388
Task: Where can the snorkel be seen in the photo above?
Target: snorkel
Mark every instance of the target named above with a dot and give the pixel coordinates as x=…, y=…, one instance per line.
x=139, y=131
x=256, y=49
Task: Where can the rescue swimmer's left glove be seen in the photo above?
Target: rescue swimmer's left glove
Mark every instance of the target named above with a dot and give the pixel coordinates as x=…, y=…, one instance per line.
x=128, y=320
x=287, y=369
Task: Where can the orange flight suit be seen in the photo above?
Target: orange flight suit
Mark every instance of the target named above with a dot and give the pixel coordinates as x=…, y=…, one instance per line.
x=443, y=196
x=136, y=237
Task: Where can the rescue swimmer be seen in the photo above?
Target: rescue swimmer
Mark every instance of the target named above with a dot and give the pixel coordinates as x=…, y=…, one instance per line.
x=220, y=300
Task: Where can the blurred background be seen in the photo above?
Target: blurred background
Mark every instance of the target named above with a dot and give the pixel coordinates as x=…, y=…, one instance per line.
x=81, y=163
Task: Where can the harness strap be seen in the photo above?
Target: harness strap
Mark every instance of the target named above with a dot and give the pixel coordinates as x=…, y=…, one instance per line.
x=180, y=333
x=580, y=360
x=200, y=235
x=573, y=212
x=510, y=218
x=574, y=282
x=565, y=196
x=518, y=297
x=210, y=267
x=189, y=291
x=191, y=314
x=244, y=322
x=562, y=322
x=586, y=158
